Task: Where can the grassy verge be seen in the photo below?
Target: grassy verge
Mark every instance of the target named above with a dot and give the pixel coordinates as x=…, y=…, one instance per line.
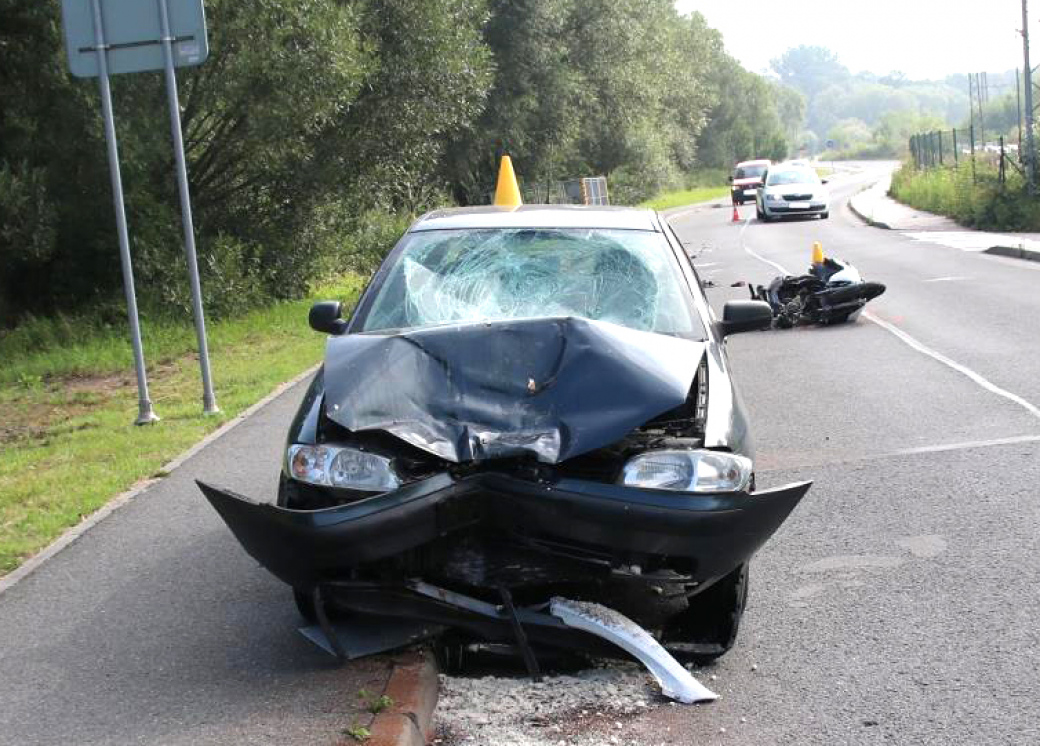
x=67, y=444
x=685, y=197
x=978, y=200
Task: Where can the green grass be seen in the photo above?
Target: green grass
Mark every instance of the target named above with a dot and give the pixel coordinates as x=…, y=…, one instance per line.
x=978, y=200
x=686, y=197
x=68, y=397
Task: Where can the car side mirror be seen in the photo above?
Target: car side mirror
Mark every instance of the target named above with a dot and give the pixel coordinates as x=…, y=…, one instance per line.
x=824, y=181
x=326, y=316
x=745, y=316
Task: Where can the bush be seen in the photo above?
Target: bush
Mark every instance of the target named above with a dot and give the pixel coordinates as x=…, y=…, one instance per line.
x=977, y=202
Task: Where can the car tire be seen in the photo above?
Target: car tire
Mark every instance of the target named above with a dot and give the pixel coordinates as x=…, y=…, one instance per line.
x=709, y=626
x=825, y=215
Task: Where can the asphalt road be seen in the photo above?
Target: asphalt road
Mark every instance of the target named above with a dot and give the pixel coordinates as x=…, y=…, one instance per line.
x=899, y=602
x=897, y=605
x=156, y=628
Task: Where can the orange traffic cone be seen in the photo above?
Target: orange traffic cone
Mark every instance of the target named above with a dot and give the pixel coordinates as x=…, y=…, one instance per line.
x=817, y=253
x=736, y=215
x=507, y=192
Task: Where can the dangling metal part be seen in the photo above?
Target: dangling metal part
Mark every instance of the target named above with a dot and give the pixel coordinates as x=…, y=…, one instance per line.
x=676, y=682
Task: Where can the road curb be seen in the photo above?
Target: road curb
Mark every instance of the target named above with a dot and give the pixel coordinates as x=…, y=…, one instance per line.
x=412, y=687
x=1016, y=252
x=859, y=214
x=70, y=535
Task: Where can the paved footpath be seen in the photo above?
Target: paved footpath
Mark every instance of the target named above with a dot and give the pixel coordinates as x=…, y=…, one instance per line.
x=156, y=628
x=874, y=206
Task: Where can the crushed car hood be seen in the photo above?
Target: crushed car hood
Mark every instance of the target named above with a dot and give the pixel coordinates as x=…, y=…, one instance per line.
x=553, y=388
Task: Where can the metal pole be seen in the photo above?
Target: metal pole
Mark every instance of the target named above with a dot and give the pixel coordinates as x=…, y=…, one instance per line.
x=956, y=152
x=1018, y=103
x=972, y=154
x=1027, y=86
x=940, y=134
x=209, y=401
x=145, y=413
x=982, y=119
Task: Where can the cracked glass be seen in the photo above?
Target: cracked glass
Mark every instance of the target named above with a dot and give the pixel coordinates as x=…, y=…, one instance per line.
x=625, y=277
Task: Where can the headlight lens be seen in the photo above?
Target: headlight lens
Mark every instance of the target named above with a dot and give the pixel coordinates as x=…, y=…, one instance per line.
x=688, y=471
x=774, y=198
x=334, y=466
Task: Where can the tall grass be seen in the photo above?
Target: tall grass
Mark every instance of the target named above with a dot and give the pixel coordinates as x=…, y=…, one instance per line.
x=976, y=201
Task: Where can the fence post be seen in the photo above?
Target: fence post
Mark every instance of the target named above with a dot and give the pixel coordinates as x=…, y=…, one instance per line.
x=973, y=176
x=940, y=134
x=956, y=150
x=1002, y=172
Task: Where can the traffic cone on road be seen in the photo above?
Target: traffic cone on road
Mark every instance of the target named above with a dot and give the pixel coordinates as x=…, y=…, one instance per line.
x=817, y=253
x=736, y=215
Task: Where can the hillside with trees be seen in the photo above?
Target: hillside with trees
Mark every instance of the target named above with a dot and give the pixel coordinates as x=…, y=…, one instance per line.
x=866, y=115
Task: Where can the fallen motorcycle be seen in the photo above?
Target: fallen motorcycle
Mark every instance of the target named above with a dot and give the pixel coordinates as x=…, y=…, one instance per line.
x=831, y=293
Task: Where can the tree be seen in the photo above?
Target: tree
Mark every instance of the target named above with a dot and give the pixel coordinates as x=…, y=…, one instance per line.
x=809, y=69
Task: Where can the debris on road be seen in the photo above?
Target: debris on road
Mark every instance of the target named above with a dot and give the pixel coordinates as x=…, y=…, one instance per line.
x=589, y=708
x=676, y=682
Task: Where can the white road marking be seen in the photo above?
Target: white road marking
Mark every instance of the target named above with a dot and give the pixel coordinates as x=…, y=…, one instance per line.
x=970, y=445
x=972, y=240
x=947, y=279
x=924, y=450
x=962, y=369
x=779, y=268
x=919, y=346
x=708, y=264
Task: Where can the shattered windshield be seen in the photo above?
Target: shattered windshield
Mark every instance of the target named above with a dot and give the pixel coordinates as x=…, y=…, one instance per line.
x=625, y=277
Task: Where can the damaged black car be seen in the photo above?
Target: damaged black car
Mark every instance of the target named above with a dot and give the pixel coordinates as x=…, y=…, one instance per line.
x=526, y=405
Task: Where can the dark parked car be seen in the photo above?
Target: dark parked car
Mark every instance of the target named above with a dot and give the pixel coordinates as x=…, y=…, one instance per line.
x=525, y=404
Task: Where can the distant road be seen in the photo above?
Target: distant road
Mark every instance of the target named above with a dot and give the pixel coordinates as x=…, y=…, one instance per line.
x=898, y=604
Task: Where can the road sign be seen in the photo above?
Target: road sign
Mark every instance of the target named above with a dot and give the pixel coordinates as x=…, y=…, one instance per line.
x=124, y=36
x=133, y=35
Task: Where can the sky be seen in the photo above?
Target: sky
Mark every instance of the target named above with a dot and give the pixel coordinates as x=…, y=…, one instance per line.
x=925, y=39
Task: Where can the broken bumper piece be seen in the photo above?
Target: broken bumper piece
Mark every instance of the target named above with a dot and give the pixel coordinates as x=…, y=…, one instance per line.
x=708, y=535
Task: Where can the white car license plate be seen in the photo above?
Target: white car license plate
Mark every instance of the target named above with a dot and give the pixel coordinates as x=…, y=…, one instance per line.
x=750, y=192
x=798, y=205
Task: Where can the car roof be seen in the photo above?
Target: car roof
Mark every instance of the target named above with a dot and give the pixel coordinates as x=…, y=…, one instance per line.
x=760, y=162
x=538, y=216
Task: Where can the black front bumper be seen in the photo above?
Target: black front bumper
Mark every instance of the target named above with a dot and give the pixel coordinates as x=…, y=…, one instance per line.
x=709, y=534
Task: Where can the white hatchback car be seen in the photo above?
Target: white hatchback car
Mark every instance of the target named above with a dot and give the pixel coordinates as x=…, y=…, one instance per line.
x=792, y=190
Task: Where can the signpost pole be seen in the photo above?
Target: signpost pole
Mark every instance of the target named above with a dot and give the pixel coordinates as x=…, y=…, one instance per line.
x=145, y=414
x=209, y=401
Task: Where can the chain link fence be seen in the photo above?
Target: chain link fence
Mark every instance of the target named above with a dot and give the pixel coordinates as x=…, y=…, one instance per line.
x=957, y=147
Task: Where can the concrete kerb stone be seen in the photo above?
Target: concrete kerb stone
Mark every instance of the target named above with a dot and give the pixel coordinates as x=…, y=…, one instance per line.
x=412, y=689
x=861, y=213
x=72, y=534
x=1016, y=252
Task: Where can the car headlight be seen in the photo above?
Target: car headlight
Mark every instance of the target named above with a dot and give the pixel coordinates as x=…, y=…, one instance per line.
x=688, y=471
x=774, y=198
x=335, y=466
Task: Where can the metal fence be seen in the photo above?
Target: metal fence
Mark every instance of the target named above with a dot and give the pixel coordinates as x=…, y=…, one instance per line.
x=585, y=191
x=957, y=147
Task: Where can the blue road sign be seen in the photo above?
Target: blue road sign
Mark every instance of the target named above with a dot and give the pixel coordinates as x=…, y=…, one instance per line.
x=133, y=35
